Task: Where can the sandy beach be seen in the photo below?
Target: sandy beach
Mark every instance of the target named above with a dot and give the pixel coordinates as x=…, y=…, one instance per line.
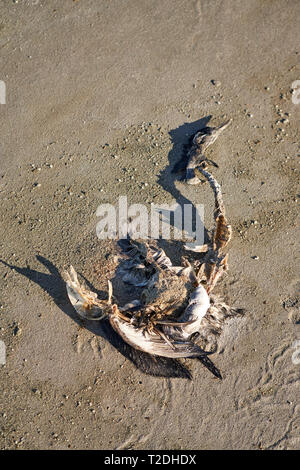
x=100, y=99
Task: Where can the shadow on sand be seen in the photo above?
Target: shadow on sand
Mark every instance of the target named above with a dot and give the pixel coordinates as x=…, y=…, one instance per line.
x=175, y=171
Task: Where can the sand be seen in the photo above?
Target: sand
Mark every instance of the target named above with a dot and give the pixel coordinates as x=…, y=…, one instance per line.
x=100, y=99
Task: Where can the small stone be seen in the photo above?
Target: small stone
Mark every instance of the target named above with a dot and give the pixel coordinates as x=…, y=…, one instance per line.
x=216, y=83
x=17, y=331
x=255, y=257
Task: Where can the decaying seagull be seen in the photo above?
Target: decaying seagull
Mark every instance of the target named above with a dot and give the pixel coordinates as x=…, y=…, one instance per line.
x=176, y=306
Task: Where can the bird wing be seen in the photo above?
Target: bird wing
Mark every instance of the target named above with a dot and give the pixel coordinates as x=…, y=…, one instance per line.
x=153, y=343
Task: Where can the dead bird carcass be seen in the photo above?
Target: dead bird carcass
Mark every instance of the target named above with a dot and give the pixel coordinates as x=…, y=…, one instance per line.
x=176, y=315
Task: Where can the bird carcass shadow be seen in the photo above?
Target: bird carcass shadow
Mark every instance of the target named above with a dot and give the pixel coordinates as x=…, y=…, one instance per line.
x=181, y=140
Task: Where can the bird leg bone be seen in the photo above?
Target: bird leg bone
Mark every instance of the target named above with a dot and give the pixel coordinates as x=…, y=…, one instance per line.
x=119, y=314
